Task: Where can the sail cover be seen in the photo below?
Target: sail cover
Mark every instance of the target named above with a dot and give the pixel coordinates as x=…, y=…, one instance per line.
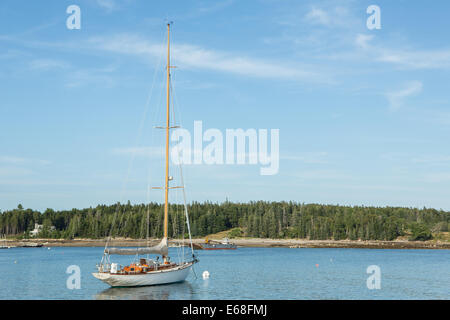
x=161, y=249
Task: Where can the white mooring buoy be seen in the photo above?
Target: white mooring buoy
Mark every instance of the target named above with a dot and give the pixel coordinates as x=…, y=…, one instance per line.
x=205, y=275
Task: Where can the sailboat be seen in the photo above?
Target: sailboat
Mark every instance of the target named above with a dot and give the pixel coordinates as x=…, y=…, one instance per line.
x=145, y=271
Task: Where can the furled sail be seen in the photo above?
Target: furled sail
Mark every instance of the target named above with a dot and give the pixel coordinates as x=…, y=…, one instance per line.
x=161, y=248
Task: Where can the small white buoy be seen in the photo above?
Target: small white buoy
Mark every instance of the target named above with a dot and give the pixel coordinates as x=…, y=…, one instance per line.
x=15, y=261
x=205, y=274
x=48, y=248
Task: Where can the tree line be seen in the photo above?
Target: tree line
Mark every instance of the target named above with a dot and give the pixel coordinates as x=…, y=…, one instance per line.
x=258, y=219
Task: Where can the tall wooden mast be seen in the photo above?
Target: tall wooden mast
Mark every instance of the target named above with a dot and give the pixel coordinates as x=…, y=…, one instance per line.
x=166, y=189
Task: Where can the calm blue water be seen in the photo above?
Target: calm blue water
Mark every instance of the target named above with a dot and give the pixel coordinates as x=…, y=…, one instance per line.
x=245, y=273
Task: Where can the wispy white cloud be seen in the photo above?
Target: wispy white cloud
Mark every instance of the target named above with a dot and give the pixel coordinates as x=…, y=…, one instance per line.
x=331, y=16
x=432, y=159
x=308, y=157
x=396, y=98
x=323, y=175
x=17, y=167
x=437, y=177
x=198, y=9
x=97, y=76
x=317, y=31
x=195, y=57
x=215, y=6
x=441, y=117
x=408, y=159
x=10, y=159
x=404, y=58
x=362, y=40
x=318, y=16
x=108, y=5
x=175, y=151
x=21, y=178
x=11, y=53
x=416, y=59
x=140, y=151
x=14, y=172
x=46, y=64
x=373, y=186
x=19, y=160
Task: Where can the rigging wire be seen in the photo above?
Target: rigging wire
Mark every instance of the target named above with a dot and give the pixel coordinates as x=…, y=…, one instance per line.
x=182, y=180
x=130, y=163
x=172, y=90
x=156, y=119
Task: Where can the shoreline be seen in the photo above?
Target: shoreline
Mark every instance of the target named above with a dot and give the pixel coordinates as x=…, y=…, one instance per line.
x=246, y=242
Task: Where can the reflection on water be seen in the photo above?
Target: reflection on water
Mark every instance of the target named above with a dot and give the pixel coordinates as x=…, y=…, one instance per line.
x=160, y=292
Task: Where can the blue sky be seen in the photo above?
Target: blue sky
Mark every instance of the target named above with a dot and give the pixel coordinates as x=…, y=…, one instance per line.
x=364, y=115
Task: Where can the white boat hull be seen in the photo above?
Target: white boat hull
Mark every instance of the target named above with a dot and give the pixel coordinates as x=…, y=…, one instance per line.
x=173, y=275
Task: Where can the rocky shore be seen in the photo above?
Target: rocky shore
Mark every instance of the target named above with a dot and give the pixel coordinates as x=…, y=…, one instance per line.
x=248, y=242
